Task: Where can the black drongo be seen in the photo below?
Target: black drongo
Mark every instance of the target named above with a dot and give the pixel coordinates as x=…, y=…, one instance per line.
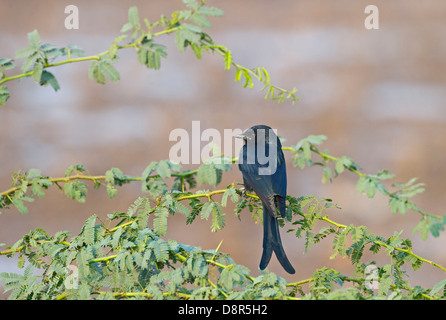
x=263, y=167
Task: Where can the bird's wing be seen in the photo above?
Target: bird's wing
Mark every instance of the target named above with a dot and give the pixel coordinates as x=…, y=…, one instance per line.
x=278, y=179
x=269, y=187
x=279, y=184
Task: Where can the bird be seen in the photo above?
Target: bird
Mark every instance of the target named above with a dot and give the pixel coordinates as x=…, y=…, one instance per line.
x=262, y=165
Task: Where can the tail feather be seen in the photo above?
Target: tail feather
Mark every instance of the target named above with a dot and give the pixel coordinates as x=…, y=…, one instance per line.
x=272, y=242
x=267, y=239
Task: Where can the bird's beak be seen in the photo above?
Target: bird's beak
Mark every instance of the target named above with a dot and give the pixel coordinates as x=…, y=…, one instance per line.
x=241, y=136
x=247, y=135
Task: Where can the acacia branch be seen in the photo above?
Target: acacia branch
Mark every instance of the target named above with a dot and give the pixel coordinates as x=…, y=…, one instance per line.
x=56, y=180
x=207, y=195
x=97, y=57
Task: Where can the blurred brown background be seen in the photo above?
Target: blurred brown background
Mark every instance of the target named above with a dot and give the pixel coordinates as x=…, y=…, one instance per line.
x=379, y=96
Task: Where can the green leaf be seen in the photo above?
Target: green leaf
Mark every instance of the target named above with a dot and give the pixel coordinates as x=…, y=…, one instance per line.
x=228, y=60
x=327, y=174
x=248, y=80
x=270, y=92
x=384, y=175
x=116, y=238
x=112, y=50
x=409, y=189
x=47, y=78
x=73, y=50
x=385, y=281
x=436, y=227
x=21, y=262
x=18, y=203
x=361, y=184
x=111, y=190
x=225, y=279
x=76, y=167
x=356, y=250
x=116, y=177
x=201, y=21
x=397, y=204
x=160, y=221
x=197, y=265
x=182, y=209
x=188, y=33
x=316, y=139
x=4, y=95
x=156, y=187
x=340, y=245
x=37, y=190
x=84, y=291
x=133, y=16
x=163, y=169
x=150, y=55
x=94, y=73
x=193, y=4
x=34, y=39
x=306, y=150
x=33, y=173
x=218, y=217
x=206, y=210
x=6, y=64
x=438, y=287
x=209, y=174
x=89, y=230
x=160, y=249
x=37, y=72
x=54, y=249
x=192, y=28
x=109, y=70
x=370, y=188
x=423, y=226
x=179, y=41
x=339, y=168
x=263, y=76
x=197, y=49
x=404, y=185
x=30, y=61
x=238, y=75
x=148, y=170
x=126, y=27
x=209, y=11
x=153, y=60
x=51, y=52
x=230, y=192
x=99, y=70
x=76, y=190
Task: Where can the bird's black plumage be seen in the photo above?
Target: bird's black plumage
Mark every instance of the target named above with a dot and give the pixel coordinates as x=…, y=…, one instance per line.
x=263, y=167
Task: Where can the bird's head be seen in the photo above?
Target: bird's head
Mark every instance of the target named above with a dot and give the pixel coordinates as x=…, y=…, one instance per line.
x=258, y=133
